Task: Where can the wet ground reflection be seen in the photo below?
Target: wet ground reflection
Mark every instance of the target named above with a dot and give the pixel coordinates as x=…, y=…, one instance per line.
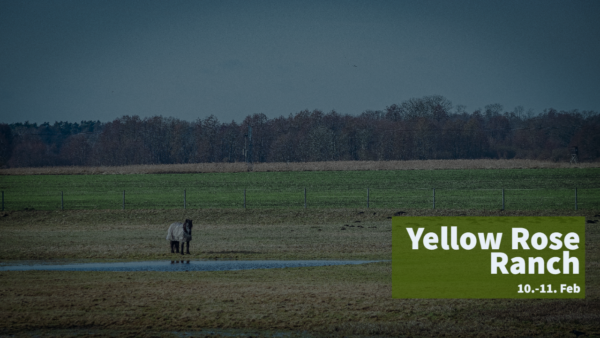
x=180, y=265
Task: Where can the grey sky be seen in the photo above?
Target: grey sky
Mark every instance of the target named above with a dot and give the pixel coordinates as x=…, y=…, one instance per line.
x=98, y=60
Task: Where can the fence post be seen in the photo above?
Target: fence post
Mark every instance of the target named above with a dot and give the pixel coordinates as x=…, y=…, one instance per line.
x=502, y=199
x=184, y=200
x=304, y=197
x=62, y=201
x=244, y=198
x=575, y=198
x=434, y=198
x=123, y=199
x=368, y=198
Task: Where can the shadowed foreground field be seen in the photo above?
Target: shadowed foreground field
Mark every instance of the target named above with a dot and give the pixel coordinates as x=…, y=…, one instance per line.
x=320, y=301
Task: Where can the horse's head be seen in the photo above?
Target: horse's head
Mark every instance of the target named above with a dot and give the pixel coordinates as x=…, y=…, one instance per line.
x=187, y=226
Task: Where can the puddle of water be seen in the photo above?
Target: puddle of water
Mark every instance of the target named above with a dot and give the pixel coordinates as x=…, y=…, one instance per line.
x=180, y=265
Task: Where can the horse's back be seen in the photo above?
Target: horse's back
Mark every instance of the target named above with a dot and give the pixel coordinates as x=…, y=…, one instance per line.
x=175, y=232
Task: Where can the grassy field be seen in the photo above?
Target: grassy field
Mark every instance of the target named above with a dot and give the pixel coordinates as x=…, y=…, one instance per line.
x=340, y=301
x=525, y=189
x=323, y=301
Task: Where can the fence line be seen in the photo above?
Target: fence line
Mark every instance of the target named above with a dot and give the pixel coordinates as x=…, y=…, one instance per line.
x=304, y=197
x=517, y=199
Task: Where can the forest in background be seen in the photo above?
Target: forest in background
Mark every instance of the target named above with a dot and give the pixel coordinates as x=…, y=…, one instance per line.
x=416, y=129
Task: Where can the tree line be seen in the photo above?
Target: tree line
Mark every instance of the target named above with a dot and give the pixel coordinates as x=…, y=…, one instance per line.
x=419, y=128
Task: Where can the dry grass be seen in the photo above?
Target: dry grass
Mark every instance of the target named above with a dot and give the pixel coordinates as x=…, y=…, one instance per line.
x=218, y=233
x=295, y=166
x=137, y=235
x=326, y=301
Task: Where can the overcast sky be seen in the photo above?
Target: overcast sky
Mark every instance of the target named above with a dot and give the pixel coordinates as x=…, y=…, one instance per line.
x=99, y=60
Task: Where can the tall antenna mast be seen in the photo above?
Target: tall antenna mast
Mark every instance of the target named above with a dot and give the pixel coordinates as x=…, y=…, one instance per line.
x=574, y=155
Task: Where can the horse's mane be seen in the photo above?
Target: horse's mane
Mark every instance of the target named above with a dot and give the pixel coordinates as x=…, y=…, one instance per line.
x=187, y=226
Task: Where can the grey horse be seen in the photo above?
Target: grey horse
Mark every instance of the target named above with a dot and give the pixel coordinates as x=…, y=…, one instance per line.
x=180, y=232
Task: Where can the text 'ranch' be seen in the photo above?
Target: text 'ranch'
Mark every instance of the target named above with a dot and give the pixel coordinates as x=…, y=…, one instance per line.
x=499, y=260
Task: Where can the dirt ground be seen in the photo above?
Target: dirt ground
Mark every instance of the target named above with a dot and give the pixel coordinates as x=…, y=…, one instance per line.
x=298, y=166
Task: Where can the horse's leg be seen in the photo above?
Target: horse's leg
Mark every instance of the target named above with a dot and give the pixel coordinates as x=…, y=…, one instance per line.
x=172, y=247
x=188, y=248
x=176, y=244
x=182, y=245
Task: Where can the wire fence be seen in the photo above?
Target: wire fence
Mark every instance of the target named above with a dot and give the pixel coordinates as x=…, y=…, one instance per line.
x=294, y=197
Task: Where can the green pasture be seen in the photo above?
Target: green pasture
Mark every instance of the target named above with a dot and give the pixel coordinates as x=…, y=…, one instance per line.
x=524, y=189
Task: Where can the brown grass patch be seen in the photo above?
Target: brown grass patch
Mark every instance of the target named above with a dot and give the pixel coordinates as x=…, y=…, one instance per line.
x=295, y=166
